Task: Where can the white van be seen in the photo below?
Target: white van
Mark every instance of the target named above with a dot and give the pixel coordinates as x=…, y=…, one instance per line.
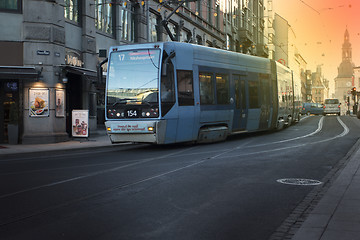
x=332, y=106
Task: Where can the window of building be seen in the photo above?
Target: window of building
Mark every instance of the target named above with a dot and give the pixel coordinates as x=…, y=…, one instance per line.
x=217, y=17
x=71, y=10
x=235, y=17
x=222, y=89
x=199, y=40
x=185, y=88
x=227, y=42
x=185, y=36
x=11, y=6
x=206, y=88
x=104, y=13
x=154, y=35
x=199, y=8
x=210, y=12
x=173, y=29
x=228, y=10
x=127, y=22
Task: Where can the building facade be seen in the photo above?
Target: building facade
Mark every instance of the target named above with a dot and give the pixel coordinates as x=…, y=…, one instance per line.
x=286, y=52
x=52, y=48
x=320, y=86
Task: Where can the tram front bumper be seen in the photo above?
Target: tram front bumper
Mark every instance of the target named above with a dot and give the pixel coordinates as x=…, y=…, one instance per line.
x=135, y=131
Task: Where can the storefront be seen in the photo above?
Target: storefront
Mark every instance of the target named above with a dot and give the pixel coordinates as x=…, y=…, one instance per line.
x=11, y=87
x=80, y=94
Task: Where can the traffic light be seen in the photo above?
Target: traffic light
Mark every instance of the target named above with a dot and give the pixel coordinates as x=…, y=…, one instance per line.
x=353, y=91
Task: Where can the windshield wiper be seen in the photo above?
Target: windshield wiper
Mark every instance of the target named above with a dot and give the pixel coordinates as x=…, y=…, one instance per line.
x=123, y=101
x=146, y=102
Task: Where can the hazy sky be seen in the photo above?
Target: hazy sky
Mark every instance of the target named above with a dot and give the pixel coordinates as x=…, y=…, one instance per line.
x=319, y=26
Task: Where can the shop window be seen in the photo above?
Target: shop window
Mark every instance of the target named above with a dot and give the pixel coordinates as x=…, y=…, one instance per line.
x=14, y=6
x=185, y=88
x=127, y=22
x=104, y=14
x=71, y=10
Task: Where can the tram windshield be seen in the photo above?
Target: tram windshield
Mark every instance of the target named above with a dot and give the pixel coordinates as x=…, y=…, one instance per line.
x=133, y=80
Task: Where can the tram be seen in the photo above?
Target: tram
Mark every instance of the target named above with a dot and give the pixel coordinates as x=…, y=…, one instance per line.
x=170, y=92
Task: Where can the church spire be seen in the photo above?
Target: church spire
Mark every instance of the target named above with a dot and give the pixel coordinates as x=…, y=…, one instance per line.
x=346, y=66
x=346, y=48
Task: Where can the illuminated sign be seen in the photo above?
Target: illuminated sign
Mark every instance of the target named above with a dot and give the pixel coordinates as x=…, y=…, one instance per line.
x=73, y=59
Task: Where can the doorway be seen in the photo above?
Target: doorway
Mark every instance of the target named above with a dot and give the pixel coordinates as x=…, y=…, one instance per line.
x=74, y=89
x=9, y=109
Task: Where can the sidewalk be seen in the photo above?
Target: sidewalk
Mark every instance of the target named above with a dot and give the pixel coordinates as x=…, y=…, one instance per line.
x=98, y=139
x=337, y=215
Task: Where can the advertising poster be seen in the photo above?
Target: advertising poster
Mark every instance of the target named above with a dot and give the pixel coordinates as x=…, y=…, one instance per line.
x=59, y=103
x=38, y=102
x=80, y=123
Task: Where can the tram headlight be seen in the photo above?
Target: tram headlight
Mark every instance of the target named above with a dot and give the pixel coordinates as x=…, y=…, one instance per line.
x=145, y=114
x=150, y=129
x=152, y=112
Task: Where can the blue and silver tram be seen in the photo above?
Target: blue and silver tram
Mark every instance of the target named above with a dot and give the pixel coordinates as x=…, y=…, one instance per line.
x=173, y=92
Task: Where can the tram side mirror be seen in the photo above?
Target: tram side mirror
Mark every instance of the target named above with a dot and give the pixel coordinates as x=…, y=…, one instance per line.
x=164, y=69
x=166, y=63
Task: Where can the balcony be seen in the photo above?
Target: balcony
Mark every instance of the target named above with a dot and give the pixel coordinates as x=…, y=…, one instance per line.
x=245, y=35
x=262, y=50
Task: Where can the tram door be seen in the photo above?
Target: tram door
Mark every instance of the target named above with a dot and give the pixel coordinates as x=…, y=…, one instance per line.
x=265, y=101
x=240, y=113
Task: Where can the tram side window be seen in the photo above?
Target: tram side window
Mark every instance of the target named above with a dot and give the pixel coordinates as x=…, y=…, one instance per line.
x=240, y=97
x=167, y=89
x=167, y=86
x=185, y=88
x=222, y=89
x=254, y=94
x=207, y=95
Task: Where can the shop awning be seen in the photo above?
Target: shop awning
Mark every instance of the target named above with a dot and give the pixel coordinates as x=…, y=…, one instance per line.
x=88, y=73
x=18, y=72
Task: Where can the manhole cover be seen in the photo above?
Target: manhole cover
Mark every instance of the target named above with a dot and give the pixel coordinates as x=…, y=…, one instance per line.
x=299, y=181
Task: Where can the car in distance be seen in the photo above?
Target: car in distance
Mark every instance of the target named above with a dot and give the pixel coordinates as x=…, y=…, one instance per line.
x=312, y=108
x=332, y=106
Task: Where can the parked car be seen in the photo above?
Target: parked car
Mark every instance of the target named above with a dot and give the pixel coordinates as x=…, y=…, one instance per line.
x=332, y=106
x=312, y=108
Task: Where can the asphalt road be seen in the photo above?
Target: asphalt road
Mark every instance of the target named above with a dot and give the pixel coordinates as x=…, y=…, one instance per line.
x=226, y=190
